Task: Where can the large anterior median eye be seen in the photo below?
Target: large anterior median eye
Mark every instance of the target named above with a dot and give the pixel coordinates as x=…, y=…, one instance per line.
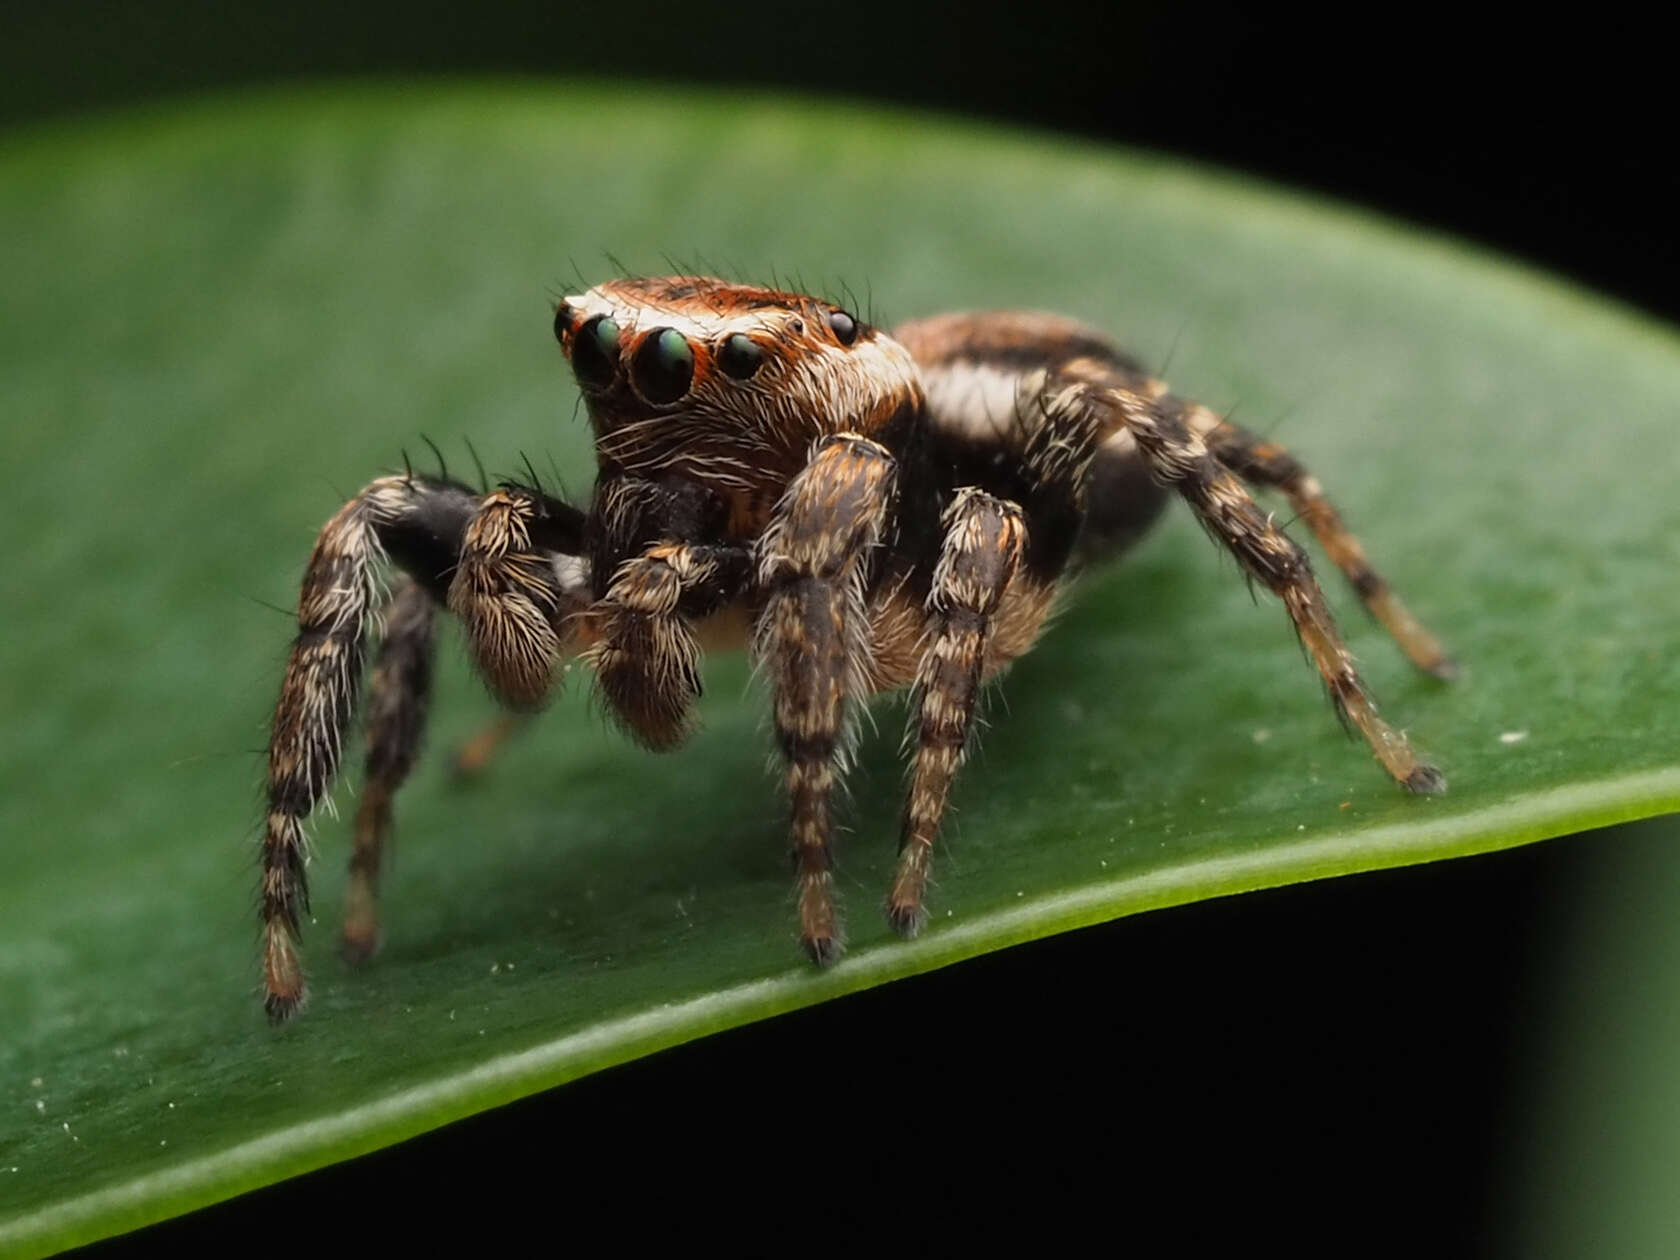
x=595, y=352
x=664, y=366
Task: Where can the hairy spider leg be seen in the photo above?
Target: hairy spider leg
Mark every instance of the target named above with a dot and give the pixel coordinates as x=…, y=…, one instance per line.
x=654, y=578
x=399, y=692
x=508, y=594
x=431, y=528
x=1181, y=458
x=645, y=656
x=982, y=547
x=989, y=542
x=812, y=639
x=1265, y=463
x=417, y=521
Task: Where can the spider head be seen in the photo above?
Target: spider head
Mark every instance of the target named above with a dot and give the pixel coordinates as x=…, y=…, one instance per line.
x=726, y=383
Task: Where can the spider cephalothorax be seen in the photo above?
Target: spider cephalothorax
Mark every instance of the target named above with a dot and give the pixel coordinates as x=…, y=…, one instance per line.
x=868, y=512
x=727, y=385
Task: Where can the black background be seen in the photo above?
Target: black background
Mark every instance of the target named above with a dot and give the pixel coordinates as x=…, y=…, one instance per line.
x=1274, y=1067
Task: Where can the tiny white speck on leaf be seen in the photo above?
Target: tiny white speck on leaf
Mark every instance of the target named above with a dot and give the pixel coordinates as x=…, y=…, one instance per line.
x=1512, y=737
x=37, y=1082
x=1261, y=736
x=495, y=967
x=121, y=1052
x=1300, y=826
x=41, y=1105
x=1020, y=894
x=163, y=1141
x=172, y=1106
x=1103, y=862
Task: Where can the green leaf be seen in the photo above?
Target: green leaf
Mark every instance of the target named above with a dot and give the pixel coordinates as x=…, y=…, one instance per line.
x=219, y=322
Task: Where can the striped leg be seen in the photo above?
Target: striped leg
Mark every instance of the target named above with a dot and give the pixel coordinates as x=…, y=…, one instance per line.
x=812, y=640
x=645, y=657
x=509, y=596
x=984, y=542
x=1180, y=457
x=399, y=692
x=426, y=526
x=419, y=518
x=1265, y=463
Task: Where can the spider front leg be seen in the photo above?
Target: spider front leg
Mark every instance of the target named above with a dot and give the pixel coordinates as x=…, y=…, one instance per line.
x=644, y=654
x=812, y=638
x=984, y=541
x=508, y=593
x=1180, y=457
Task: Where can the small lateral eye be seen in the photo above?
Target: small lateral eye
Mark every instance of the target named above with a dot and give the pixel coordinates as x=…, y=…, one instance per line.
x=740, y=356
x=595, y=352
x=664, y=366
x=843, y=326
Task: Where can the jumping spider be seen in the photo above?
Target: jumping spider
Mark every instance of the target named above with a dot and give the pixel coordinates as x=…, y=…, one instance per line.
x=868, y=512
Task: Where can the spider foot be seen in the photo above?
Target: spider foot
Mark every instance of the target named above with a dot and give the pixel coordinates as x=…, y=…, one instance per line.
x=283, y=977
x=281, y=1007
x=907, y=919
x=1445, y=668
x=824, y=951
x=819, y=925
x=1426, y=780
x=360, y=941
x=905, y=910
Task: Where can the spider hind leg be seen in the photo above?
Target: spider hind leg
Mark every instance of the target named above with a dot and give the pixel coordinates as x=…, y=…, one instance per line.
x=1264, y=463
x=1181, y=457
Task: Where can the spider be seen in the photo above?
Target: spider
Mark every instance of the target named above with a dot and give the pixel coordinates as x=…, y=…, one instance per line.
x=866, y=512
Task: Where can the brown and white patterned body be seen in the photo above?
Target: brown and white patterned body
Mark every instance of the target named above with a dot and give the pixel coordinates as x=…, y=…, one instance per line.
x=865, y=512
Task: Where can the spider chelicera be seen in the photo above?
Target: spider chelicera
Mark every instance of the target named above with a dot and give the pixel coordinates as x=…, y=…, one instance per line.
x=867, y=512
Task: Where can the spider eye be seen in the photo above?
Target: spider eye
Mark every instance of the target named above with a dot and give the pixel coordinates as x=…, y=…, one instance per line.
x=843, y=326
x=664, y=366
x=595, y=352
x=740, y=356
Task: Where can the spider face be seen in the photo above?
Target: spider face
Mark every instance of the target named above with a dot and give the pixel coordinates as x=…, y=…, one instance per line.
x=869, y=512
x=726, y=383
